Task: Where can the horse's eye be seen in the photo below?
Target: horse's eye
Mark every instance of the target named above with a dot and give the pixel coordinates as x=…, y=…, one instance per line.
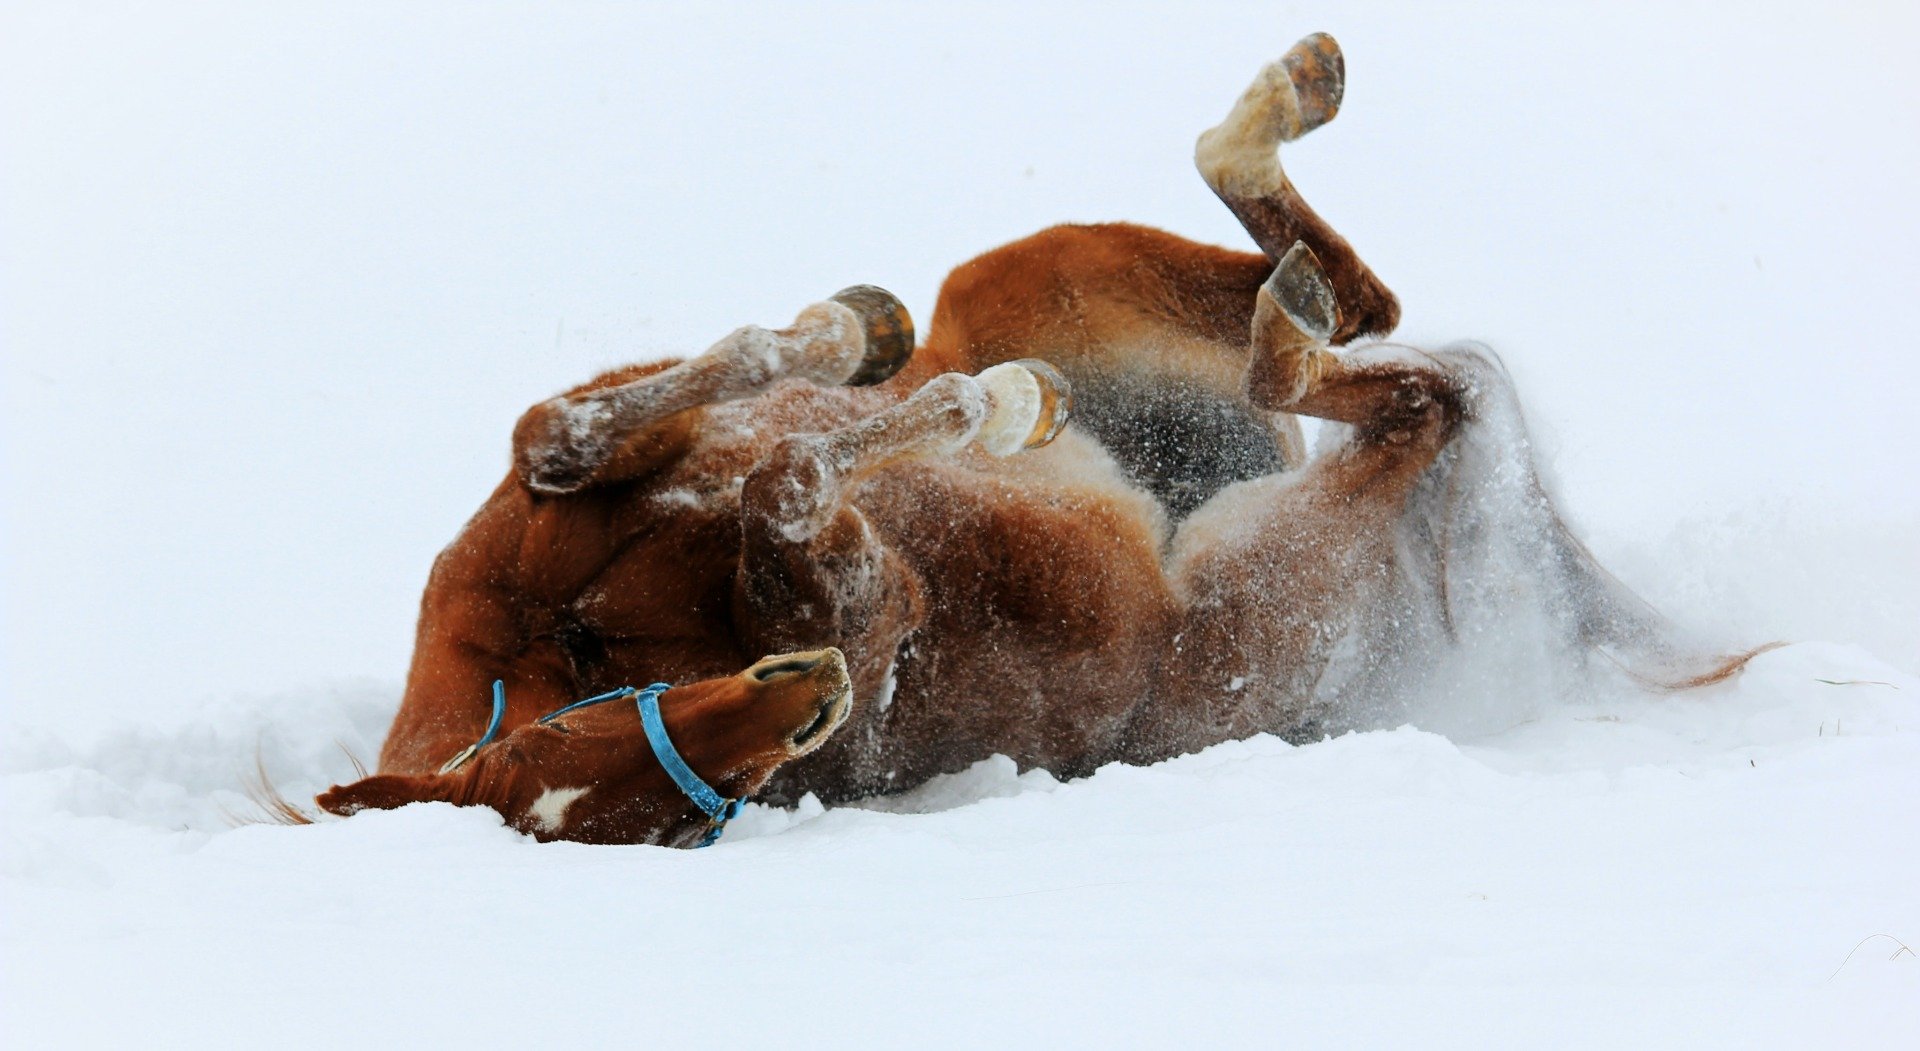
x=559, y=728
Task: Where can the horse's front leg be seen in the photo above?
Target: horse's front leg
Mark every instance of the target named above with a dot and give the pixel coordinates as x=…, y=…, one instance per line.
x=812, y=569
x=612, y=428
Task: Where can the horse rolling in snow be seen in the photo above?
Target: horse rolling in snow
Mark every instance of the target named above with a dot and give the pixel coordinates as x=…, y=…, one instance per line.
x=1171, y=571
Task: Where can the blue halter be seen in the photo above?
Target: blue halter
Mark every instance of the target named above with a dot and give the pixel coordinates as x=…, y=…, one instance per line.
x=718, y=808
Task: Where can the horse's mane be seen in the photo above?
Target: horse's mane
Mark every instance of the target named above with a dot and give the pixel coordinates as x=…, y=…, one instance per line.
x=270, y=805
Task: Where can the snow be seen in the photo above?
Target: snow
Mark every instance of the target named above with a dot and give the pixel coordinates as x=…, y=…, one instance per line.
x=277, y=282
x=1688, y=868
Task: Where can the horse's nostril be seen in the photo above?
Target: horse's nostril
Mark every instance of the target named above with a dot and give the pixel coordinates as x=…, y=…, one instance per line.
x=790, y=665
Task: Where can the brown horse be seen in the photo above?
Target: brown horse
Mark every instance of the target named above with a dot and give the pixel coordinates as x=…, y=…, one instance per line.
x=1171, y=571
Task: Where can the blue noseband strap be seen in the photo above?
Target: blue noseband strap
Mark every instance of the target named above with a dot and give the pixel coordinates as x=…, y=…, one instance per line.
x=718, y=808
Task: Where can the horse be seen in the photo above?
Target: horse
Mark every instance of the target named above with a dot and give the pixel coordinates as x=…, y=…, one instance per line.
x=1077, y=524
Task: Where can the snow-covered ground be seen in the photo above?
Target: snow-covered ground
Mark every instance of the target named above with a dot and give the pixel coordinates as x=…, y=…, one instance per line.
x=277, y=279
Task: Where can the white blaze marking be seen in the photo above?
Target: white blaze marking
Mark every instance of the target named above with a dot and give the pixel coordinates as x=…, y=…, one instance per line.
x=549, y=812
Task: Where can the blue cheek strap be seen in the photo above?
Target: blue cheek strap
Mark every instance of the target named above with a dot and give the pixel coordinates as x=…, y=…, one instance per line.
x=493, y=728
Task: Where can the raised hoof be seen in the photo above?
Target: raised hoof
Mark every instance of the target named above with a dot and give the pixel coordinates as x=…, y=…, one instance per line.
x=1029, y=403
x=1300, y=288
x=1056, y=402
x=1319, y=76
x=889, y=330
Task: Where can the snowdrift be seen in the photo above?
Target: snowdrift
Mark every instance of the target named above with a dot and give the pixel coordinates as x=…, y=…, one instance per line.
x=1696, y=867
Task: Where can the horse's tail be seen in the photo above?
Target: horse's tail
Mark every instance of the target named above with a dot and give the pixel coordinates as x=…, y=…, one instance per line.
x=1490, y=541
x=1627, y=630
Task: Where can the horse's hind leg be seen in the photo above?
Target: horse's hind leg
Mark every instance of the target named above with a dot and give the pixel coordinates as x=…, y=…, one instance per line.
x=1385, y=392
x=1239, y=158
x=604, y=431
x=1485, y=513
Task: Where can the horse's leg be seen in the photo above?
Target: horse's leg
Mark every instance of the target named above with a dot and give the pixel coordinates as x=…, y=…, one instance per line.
x=1383, y=393
x=1426, y=527
x=612, y=428
x=1239, y=158
x=1280, y=573
x=811, y=568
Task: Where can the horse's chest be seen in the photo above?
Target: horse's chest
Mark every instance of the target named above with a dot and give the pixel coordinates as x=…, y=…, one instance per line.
x=662, y=599
x=1045, y=609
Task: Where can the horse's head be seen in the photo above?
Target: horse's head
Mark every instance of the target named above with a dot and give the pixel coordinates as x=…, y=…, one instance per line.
x=592, y=774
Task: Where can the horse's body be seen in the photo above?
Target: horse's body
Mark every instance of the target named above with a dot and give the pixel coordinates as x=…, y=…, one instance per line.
x=1170, y=572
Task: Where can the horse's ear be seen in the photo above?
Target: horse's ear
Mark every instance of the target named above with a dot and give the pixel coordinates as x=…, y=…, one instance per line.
x=384, y=792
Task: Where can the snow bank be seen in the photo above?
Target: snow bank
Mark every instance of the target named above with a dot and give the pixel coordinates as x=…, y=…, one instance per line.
x=1696, y=867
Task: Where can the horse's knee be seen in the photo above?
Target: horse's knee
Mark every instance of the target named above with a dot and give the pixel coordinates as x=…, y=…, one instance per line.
x=1478, y=374
x=1396, y=396
x=564, y=445
x=813, y=571
x=1421, y=421
x=794, y=489
x=557, y=447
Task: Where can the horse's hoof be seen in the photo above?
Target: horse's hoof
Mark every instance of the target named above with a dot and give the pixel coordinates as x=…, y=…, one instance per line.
x=1319, y=76
x=1056, y=402
x=889, y=331
x=1028, y=403
x=1300, y=287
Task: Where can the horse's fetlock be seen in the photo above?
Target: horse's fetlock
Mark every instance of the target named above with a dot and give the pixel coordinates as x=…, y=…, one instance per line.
x=955, y=405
